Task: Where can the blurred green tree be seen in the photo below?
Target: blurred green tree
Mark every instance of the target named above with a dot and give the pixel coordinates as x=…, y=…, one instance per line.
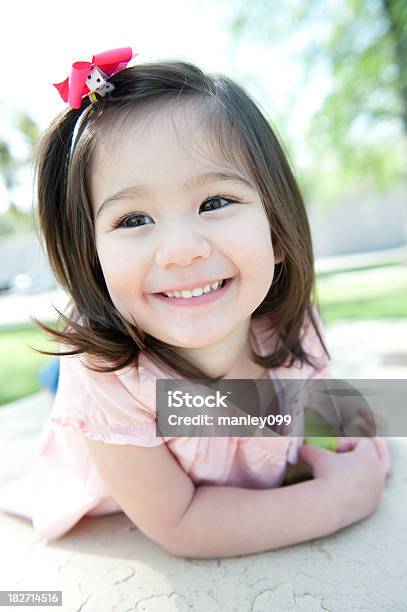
x=14, y=220
x=358, y=131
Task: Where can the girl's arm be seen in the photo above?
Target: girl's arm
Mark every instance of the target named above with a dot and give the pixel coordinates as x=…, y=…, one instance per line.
x=163, y=502
x=221, y=521
x=227, y=521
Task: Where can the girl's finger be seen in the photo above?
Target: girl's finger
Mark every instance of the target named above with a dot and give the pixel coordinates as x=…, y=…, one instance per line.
x=346, y=444
x=367, y=416
x=358, y=426
x=383, y=451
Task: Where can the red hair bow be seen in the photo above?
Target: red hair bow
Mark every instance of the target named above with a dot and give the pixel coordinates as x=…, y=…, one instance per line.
x=88, y=77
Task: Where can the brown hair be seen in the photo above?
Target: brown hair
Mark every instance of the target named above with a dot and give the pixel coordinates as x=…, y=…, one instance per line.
x=92, y=325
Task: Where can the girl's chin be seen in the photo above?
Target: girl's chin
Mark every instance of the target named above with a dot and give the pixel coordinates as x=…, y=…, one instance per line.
x=187, y=342
x=198, y=337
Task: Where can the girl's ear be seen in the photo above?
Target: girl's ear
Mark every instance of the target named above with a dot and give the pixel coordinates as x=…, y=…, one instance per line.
x=278, y=255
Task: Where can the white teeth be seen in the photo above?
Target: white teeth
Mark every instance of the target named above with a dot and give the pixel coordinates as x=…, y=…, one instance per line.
x=195, y=292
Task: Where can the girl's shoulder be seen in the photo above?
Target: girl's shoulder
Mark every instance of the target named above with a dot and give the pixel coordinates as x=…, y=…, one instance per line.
x=116, y=407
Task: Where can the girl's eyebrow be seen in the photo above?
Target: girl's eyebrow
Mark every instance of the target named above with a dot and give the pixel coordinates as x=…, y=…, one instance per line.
x=140, y=191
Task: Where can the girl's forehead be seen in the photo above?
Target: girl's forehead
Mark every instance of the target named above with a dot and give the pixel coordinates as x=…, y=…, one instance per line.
x=180, y=131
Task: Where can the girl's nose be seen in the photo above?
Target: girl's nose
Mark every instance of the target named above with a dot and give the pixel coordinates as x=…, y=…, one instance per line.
x=181, y=248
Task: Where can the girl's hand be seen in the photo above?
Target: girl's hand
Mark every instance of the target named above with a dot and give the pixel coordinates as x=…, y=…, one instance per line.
x=382, y=448
x=360, y=421
x=354, y=414
x=356, y=478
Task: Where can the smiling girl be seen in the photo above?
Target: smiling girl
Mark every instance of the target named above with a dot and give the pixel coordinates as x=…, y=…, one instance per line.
x=173, y=221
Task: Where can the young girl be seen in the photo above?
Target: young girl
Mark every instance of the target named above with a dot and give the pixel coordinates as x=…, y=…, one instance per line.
x=174, y=181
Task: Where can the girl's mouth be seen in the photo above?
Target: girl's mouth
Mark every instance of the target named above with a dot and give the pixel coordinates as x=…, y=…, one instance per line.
x=205, y=298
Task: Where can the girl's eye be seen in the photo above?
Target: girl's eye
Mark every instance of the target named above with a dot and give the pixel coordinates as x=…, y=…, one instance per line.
x=123, y=222
x=218, y=199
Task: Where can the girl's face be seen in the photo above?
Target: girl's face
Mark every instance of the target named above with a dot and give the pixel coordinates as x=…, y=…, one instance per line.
x=168, y=238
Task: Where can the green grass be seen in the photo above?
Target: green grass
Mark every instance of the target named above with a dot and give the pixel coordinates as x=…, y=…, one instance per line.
x=364, y=295
x=392, y=306
x=20, y=365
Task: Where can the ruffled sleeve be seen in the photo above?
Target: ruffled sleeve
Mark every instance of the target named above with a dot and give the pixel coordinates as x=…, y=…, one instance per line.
x=104, y=406
x=63, y=484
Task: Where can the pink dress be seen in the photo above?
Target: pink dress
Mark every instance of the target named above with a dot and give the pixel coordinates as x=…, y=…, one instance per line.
x=63, y=484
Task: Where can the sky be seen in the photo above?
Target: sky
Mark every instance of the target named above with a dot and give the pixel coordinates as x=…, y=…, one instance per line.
x=40, y=41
